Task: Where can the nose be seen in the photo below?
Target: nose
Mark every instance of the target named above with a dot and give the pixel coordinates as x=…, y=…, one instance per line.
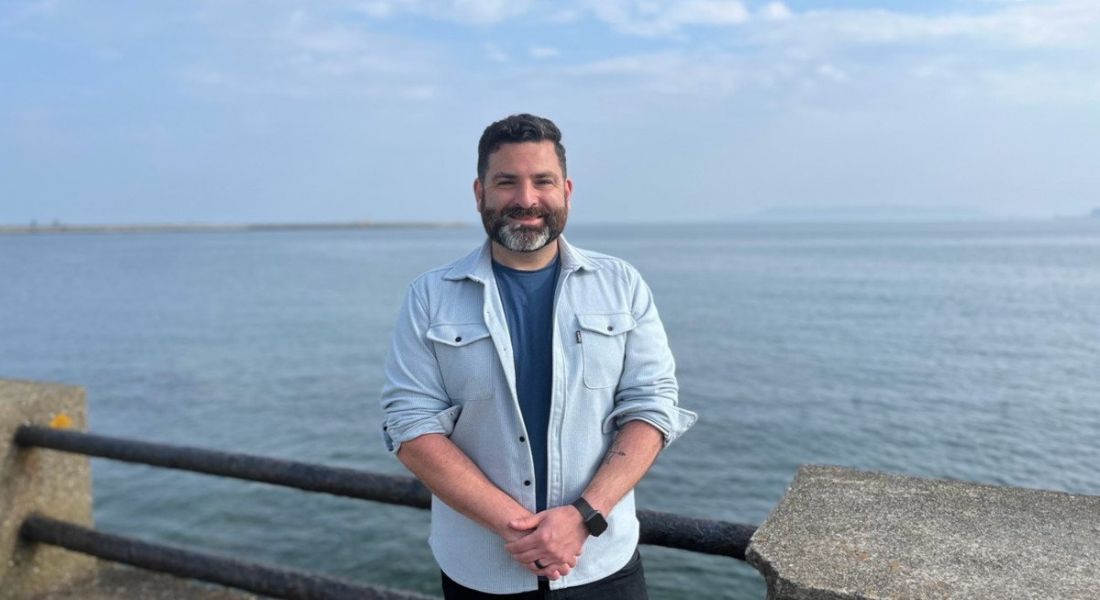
x=525, y=194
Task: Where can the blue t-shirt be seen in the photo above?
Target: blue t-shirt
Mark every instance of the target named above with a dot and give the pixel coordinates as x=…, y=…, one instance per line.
x=528, y=298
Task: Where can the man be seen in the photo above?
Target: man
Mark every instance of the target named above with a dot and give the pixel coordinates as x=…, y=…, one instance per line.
x=530, y=386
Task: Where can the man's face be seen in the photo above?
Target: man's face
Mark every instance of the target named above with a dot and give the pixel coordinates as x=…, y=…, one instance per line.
x=524, y=200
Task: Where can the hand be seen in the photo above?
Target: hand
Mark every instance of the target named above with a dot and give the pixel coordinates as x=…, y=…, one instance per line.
x=554, y=537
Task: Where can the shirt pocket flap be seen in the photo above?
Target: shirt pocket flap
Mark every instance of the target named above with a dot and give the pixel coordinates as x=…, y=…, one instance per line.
x=610, y=324
x=457, y=335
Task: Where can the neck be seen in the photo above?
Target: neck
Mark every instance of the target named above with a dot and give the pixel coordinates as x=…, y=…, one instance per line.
x=525, y=261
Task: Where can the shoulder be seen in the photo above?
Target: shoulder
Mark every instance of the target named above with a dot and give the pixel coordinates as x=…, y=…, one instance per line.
x=437, y=280
x=610, y=266
x=432, y=277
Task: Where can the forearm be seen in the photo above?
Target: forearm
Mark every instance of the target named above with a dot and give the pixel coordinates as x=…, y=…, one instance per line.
x=626, y=462
x=446, y=470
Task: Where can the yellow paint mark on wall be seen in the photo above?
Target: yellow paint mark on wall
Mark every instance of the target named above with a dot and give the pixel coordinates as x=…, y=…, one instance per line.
x=61, y=421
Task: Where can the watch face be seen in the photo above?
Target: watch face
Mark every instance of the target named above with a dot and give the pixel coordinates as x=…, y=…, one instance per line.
x=597, y=524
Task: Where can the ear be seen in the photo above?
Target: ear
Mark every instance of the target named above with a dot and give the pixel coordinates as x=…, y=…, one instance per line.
x=568, y=194
x=477, y=194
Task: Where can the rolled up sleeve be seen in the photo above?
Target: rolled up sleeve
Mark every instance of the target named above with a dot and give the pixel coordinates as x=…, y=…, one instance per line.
x=413, y=398
x=648, y=390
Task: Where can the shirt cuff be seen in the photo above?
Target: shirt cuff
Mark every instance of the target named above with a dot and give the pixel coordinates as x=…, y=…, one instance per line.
x=671, y=421
x=396, y=431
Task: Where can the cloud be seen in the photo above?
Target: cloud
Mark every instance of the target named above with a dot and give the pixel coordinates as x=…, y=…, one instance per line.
x=15, y=13
x=479, y=12
x=775, y=11
x=379, y=9
x=488, y=11
x=305, y=56
x=494, y=52
x=670, y=73
x=663, y=17
x=832, y=72
x=1067, y=23
x=540, y=52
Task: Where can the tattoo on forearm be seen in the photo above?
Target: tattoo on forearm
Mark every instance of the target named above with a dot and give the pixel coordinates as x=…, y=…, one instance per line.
x=612, y=453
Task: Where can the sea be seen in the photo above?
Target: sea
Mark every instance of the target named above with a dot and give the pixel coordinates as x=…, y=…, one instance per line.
x=965, y=350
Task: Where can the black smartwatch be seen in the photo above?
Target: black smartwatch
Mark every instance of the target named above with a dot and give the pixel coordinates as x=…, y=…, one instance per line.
x=593, y=520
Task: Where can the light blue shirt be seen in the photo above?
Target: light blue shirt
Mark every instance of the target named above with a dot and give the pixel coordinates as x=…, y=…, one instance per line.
x=450, y=371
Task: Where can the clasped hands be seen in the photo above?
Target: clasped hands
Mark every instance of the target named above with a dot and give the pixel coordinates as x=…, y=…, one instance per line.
x=554, y=538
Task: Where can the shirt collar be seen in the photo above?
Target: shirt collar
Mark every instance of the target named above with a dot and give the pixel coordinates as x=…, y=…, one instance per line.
x=478, y=265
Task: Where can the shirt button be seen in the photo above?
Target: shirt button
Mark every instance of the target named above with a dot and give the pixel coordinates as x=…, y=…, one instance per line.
x=522, y=439
x=610, y=328
x=458, y=339
x=527, y=482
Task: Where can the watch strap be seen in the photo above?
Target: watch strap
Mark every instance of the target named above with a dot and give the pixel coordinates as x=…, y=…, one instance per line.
x=594, y=522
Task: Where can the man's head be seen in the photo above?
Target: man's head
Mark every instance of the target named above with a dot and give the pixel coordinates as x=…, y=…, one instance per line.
x=514, y=130
x=522, y=191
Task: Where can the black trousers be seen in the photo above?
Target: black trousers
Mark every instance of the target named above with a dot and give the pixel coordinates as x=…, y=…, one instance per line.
x=626, y=584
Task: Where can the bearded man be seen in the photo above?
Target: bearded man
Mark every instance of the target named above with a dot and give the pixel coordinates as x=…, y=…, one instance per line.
x=530, y=386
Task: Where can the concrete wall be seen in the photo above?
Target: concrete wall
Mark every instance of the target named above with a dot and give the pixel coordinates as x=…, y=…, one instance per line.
x=838, y=534
x=51, y=483
x=842, y=534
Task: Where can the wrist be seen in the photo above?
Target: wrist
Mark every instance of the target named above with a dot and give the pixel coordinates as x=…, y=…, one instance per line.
x=592, y=519
x=598, y=504
x=503, y=525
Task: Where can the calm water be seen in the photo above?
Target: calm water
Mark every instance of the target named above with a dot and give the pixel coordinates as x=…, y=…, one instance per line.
x=968, y=351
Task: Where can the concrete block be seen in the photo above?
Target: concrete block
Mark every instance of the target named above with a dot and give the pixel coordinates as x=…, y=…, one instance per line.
x=841, y=534
x=52, y=483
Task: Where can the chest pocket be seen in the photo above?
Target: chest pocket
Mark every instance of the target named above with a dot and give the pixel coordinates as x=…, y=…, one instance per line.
x=603, y=343
x=465, y=353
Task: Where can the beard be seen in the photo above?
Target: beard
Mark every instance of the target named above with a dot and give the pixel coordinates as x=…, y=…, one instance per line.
x=523, y=238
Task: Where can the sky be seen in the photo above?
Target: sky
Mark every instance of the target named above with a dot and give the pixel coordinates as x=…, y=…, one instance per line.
x=233, y=111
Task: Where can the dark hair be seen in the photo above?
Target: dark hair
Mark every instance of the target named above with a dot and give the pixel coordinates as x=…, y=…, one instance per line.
x=514, y=130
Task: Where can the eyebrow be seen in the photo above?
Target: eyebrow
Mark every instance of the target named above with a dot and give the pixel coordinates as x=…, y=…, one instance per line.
x=505, y=175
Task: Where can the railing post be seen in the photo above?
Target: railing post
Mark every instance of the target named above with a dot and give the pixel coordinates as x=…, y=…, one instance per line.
x=54, y=484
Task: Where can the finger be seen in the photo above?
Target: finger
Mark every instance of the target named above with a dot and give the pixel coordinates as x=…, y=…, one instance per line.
x=525, y=523
x=554, y=572
x=523, y=544
x=529, y=556
x=563, y=569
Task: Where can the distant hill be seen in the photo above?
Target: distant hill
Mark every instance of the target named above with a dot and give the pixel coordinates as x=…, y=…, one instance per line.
x=863, y=213
x=214, y=227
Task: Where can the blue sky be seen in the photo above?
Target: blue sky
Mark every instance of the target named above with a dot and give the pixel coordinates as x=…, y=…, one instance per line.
x=701, y=110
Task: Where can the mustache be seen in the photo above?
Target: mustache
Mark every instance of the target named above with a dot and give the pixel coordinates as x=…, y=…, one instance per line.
x=518, y=212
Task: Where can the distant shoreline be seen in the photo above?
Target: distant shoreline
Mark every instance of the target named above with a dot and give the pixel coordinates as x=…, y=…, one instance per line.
x=55, y=228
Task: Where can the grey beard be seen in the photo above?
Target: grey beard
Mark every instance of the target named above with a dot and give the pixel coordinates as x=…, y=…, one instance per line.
x=517, y=238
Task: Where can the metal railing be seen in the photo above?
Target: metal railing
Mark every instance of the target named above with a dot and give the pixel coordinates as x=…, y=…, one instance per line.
x=661, y=529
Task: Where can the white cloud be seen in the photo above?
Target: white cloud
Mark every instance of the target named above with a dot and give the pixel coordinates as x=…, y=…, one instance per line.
x=707, y=12
x=480, y=12
x=15, y=12
x=378, y=9
x=1067, y=23
x=543, y=52
x=494, y=52
x=327, y=47
x=833, y=73
x=665, y=73
x=775, y=11
x=305, y=56
x=663, y=17
x=488, y=11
